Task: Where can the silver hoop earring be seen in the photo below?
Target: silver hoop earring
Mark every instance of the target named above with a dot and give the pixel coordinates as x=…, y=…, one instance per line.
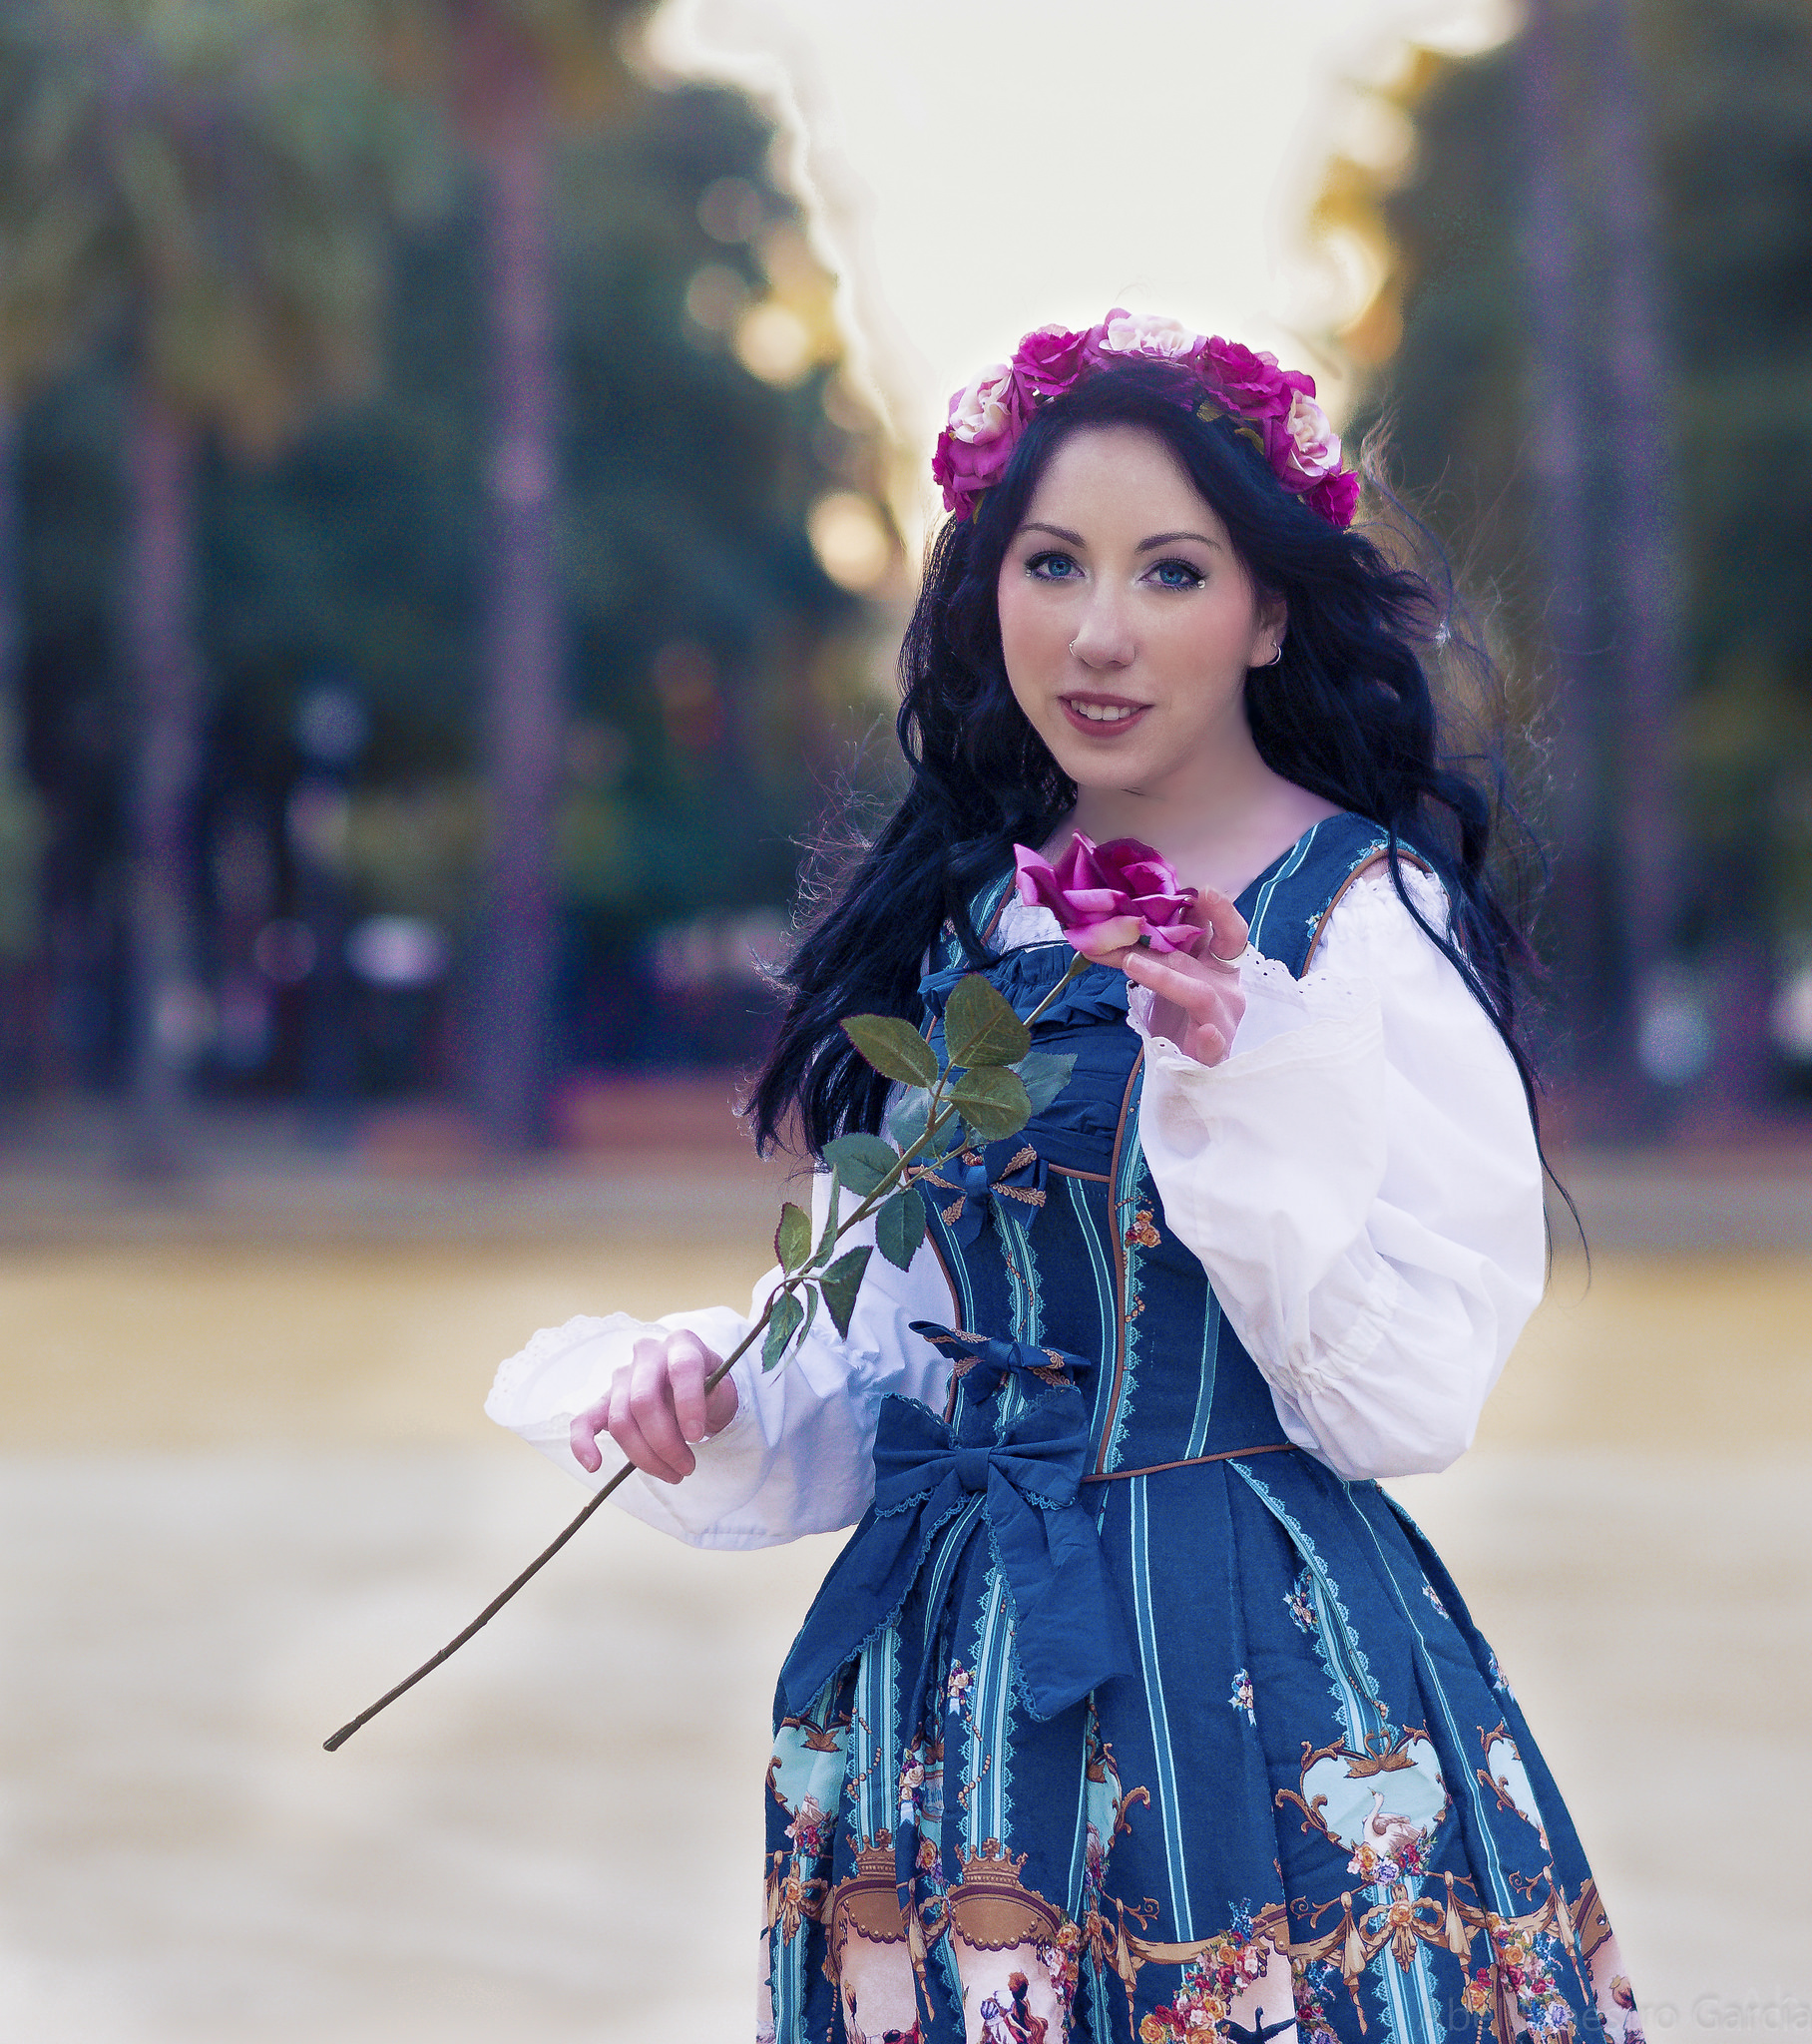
x=1276, y=655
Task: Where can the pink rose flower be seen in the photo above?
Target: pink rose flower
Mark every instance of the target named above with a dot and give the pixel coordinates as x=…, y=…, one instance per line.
x=1302, y=447
x=1145, y=334
x=987, y=408
x=964, y=469
x=1249, y=381
x=1092, y=884
x=985, y=420
x=1336, y=497
x=1047, y=362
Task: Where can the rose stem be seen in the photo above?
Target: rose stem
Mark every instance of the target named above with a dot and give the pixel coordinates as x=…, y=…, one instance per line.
x=934, y=1123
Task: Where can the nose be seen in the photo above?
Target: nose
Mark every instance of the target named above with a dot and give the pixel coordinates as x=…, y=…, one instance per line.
x=1105, y=639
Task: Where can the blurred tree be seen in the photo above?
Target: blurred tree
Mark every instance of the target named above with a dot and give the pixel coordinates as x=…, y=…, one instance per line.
x=1643, y=487
x=714, y=671
x=511, y=70
x=20, y=820
x=194, y=187
x=1491, y=371
x=1552, y=256
x=20, y=823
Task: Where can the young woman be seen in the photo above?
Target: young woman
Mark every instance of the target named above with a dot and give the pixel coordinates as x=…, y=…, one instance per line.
x=1134, y=1708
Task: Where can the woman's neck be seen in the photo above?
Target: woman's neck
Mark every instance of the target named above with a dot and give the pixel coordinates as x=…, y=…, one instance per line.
x=1219, y=828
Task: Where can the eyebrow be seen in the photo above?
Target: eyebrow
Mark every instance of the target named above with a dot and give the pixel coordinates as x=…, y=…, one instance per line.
x=1165, y=539
x=1161, y=538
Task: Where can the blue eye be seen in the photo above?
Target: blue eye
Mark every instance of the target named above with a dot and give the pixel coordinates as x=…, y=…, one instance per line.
x=1053, y=567
x=1176, y=575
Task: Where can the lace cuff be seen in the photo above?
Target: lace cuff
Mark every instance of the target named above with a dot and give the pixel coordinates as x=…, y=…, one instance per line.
x=1286, y=1020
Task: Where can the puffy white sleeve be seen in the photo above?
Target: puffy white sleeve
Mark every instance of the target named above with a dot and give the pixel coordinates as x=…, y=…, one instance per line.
x=1361, y=1182
x=795, y=1459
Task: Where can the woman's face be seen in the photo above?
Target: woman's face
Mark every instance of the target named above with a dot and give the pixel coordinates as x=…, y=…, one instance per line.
x=1127, y=622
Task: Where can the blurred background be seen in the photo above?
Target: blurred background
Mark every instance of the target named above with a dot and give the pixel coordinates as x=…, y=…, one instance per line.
x=462, y=474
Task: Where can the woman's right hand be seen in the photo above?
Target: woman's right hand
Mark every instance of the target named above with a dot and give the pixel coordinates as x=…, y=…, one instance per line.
x=1199, y=1001
x=657, y=1407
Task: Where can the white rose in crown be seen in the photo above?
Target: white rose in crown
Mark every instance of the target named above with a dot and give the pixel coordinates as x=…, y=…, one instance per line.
x=982, y=412
x=1149, y=333
x=1308, y=444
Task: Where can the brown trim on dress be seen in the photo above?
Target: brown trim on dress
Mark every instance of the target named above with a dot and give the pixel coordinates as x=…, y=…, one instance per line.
x=1192, y=1462
x=1120, y=1261
x=1093, y=1178
x=1358, y=873
x=1000, y=910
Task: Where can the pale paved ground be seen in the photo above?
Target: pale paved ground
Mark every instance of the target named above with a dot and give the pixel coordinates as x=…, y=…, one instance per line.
x=246, y=1484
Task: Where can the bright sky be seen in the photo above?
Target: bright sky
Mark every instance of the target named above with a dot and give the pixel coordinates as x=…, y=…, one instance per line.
x=976, y=167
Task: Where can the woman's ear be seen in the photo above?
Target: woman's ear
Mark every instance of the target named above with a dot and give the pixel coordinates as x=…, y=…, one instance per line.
x=1271, y=624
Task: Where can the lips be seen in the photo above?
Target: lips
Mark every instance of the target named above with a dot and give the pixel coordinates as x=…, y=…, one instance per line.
x=1103, y=716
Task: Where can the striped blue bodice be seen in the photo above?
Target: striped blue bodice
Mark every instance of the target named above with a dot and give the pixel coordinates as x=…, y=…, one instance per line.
x=1094, y=1272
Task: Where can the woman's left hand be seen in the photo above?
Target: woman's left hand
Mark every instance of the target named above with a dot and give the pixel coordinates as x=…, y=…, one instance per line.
x=1198, y=1001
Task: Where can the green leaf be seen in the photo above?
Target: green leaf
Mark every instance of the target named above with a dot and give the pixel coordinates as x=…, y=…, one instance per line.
x=899, y=1228
x=980, y=1026
x=827, y=1241
x=992, y=1103
x=906, y=1124
x=894, y=1048
x=946, y=1134
x=792, y=1239
x=1045, y=1074
x=787, y=1316
x=811, y=1312
x=841, y=1283
x=861, y=1162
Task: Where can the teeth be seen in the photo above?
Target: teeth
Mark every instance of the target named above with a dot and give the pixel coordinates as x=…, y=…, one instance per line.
x=1104, y=712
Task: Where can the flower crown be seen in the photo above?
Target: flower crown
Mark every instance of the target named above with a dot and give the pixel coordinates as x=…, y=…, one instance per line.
x=1274, y=409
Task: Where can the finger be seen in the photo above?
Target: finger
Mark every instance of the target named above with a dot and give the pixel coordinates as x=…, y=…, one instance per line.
x=1206, y=1045
x=651, y=1403
x=585, y=1428
x=687, y=1361
x=619, y=1422
x=1199, y=993
x=1212, y=1002
x=1106, y=942
x=720, y=1405
x=626, y=1430
x=1226, y=925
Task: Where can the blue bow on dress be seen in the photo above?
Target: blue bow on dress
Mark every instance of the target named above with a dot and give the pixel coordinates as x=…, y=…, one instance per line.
x=1069, y=1632
x=984, y=1361
x=966, y=1180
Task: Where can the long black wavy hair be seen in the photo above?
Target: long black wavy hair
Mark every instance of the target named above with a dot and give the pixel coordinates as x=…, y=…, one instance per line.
x=1348, y=714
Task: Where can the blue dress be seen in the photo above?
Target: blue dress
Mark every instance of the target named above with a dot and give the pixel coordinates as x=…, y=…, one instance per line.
x=1119, y=1716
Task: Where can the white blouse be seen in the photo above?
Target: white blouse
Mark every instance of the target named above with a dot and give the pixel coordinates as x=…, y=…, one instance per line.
x=1358, y=1177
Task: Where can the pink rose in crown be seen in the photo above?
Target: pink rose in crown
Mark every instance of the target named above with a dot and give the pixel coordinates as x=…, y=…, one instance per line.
x=1336, y=497
x=1139, y=336
x=985, y=420
x=1249, y=380
x=1047, y=362
x=987, y=408
x=1095, y=883
x=964, y=469
x=1146, y=333
x=1302, y=447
